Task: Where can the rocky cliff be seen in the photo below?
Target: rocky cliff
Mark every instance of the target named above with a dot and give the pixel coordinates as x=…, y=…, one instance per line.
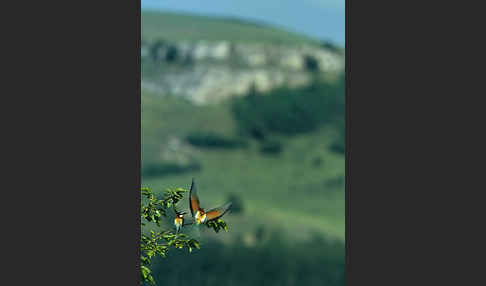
x=206, y=72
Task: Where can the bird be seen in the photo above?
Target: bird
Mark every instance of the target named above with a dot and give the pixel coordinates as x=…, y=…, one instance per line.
x=179, y=220
x=198, y=213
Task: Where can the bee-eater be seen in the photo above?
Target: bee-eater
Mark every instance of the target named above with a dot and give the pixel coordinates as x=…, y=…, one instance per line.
x=201, y=216
x=179, y=220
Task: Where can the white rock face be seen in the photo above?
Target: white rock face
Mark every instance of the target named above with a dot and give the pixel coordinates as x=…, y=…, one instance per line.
x=201, y=51
x=204, y=85
x=292, y=60
x=221, y=70
x=221, y=51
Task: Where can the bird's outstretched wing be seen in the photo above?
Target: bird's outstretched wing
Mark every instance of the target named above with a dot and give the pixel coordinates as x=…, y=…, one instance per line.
x=193, y=199
x=218, y=212
x=178, y=211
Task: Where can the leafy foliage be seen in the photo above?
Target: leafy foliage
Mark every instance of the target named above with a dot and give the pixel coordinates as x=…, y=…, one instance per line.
x=155, y=50
x=332, y=47
x=166, y=168
x=311, y=63
x=270, y=259
x=290, y=111
x=217, y=225
x=338, y=146
x=213, y=140
x=158, y=243
x=271, y=147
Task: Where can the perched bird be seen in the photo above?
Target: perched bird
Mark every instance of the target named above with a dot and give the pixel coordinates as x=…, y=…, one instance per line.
x=199, y=214
x=179, y=220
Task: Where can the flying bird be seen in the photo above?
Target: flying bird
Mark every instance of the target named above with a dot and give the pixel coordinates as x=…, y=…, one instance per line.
x=199, y=214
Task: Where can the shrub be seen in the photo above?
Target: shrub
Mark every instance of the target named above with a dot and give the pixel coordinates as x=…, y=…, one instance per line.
x=338, y=147
x=155, y=50
x=163, y=51
x=289, y=111
x=213, y=140
x=167, y=168
x=331, y=47
x=273, y=260
x=311, y=63
x=172, y=53
x=271, y=147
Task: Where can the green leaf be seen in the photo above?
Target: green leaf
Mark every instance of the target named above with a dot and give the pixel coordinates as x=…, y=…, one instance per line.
x=196, y=244
x=145, y=271
x=150, y=253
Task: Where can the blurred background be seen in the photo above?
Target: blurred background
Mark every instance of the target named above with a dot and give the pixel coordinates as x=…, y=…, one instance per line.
x=248, y=98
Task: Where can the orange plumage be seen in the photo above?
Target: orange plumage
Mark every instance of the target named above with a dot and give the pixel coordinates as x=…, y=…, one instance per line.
x=198, y=213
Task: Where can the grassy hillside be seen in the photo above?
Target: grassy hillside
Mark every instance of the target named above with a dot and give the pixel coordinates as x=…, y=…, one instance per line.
x=280, y=155
x=180, y=27
x=291, y=230
x=291, y=191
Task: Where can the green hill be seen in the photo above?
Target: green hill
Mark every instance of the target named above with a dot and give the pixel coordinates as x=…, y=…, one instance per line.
x=300, y=191
x=291, y=227
x=181, y=27
x=290, y=187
